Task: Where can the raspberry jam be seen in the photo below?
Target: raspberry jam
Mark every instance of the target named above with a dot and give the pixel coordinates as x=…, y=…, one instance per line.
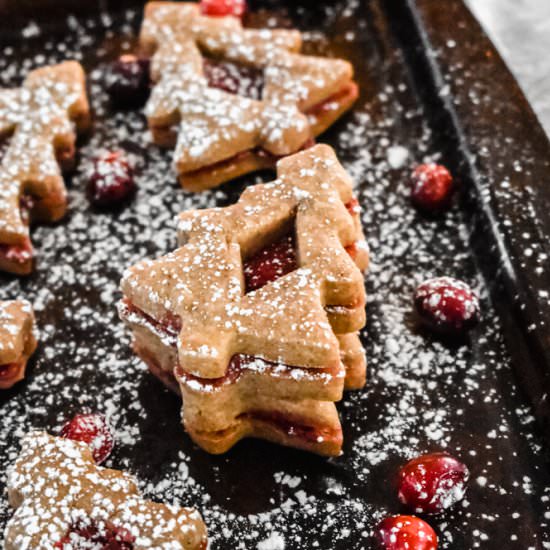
x=447, y=305
x=92, y=429
x=405, y=533
x=432, y=483
x=347, y=94
x=431, y=187
x=89, y=535
x=10, y=374
x=9, y=370
x=234, y=79
x=296, y=427
x=270, y=263
x=17, y=254
x=353, y=207
x=222, y=8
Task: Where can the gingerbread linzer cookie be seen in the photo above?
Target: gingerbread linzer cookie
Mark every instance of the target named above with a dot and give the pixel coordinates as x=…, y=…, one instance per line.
x=255, y=317
x=40, y=118
x=62, y=499
x=17, y=341
x=234, y=100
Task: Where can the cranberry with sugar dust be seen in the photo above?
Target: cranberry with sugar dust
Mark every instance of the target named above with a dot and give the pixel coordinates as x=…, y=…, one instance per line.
x=432, y=483
x=222, y=8
x=432, y=187
x=127, y=80
x=447, y=305
x=111, y=181
x=92, y=429
x=405, y=533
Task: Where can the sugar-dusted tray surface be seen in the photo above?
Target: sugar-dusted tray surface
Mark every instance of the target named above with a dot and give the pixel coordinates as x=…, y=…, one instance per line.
x=422, y=395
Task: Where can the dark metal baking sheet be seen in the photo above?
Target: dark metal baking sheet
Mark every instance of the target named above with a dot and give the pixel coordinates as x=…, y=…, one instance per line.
x=432, y=88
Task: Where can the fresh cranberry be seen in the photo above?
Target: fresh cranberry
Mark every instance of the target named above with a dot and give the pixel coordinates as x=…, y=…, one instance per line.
x=221, y=8
x=270, y=263
x=87, y=534
x=432, y=483
x=447, y=305
x=127, y=80
x=92, y=429
x=234, y=79
x=112, y=180
x=432, y=186
x=405, y=533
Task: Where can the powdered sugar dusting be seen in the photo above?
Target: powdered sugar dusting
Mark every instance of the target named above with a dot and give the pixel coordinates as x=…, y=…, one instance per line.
x=422, y=395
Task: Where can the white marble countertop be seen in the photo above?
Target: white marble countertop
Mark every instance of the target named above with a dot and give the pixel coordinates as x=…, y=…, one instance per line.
x=521, y=31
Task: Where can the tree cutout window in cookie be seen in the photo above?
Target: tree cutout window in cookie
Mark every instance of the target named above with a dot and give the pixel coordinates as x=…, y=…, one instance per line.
x=264, y=346
x=275, y=260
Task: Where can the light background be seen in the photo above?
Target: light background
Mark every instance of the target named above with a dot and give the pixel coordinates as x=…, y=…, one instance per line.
x=521, y=31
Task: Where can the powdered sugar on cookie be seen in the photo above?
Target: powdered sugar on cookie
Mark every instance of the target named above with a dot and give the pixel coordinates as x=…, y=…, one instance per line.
x=42, y=116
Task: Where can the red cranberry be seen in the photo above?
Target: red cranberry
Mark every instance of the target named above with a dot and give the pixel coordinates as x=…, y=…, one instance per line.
x=127, y=80
x=432, y=483
x=447, y=305
x=108, y=537
x=270, y=263
x=405, y=533
x=220, y=8
x=432, y=186
x=112, y=180
x=92, y=429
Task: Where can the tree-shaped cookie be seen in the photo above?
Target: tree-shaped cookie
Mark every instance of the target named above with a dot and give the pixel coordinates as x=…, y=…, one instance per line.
x=202, y=68
x=40, y=118
x=62, y=499
x=17, y=340
x=256, y=313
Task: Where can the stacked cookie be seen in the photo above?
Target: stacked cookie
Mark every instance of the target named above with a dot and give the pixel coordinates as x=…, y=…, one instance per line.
x=255, y=317
x=224, y=129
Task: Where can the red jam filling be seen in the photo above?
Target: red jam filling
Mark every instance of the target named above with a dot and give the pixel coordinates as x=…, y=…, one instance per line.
x=353, y=207
x=349, y=92
x=240, y=363
x=17, y=253
x=234, y=78
x=352, y=250
x=171, y=326
x=279, y=258
x=296, y=428
x=88, y=534
x=242, y=156
x=270, y=263
x=249, y=82
x=9, y=374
